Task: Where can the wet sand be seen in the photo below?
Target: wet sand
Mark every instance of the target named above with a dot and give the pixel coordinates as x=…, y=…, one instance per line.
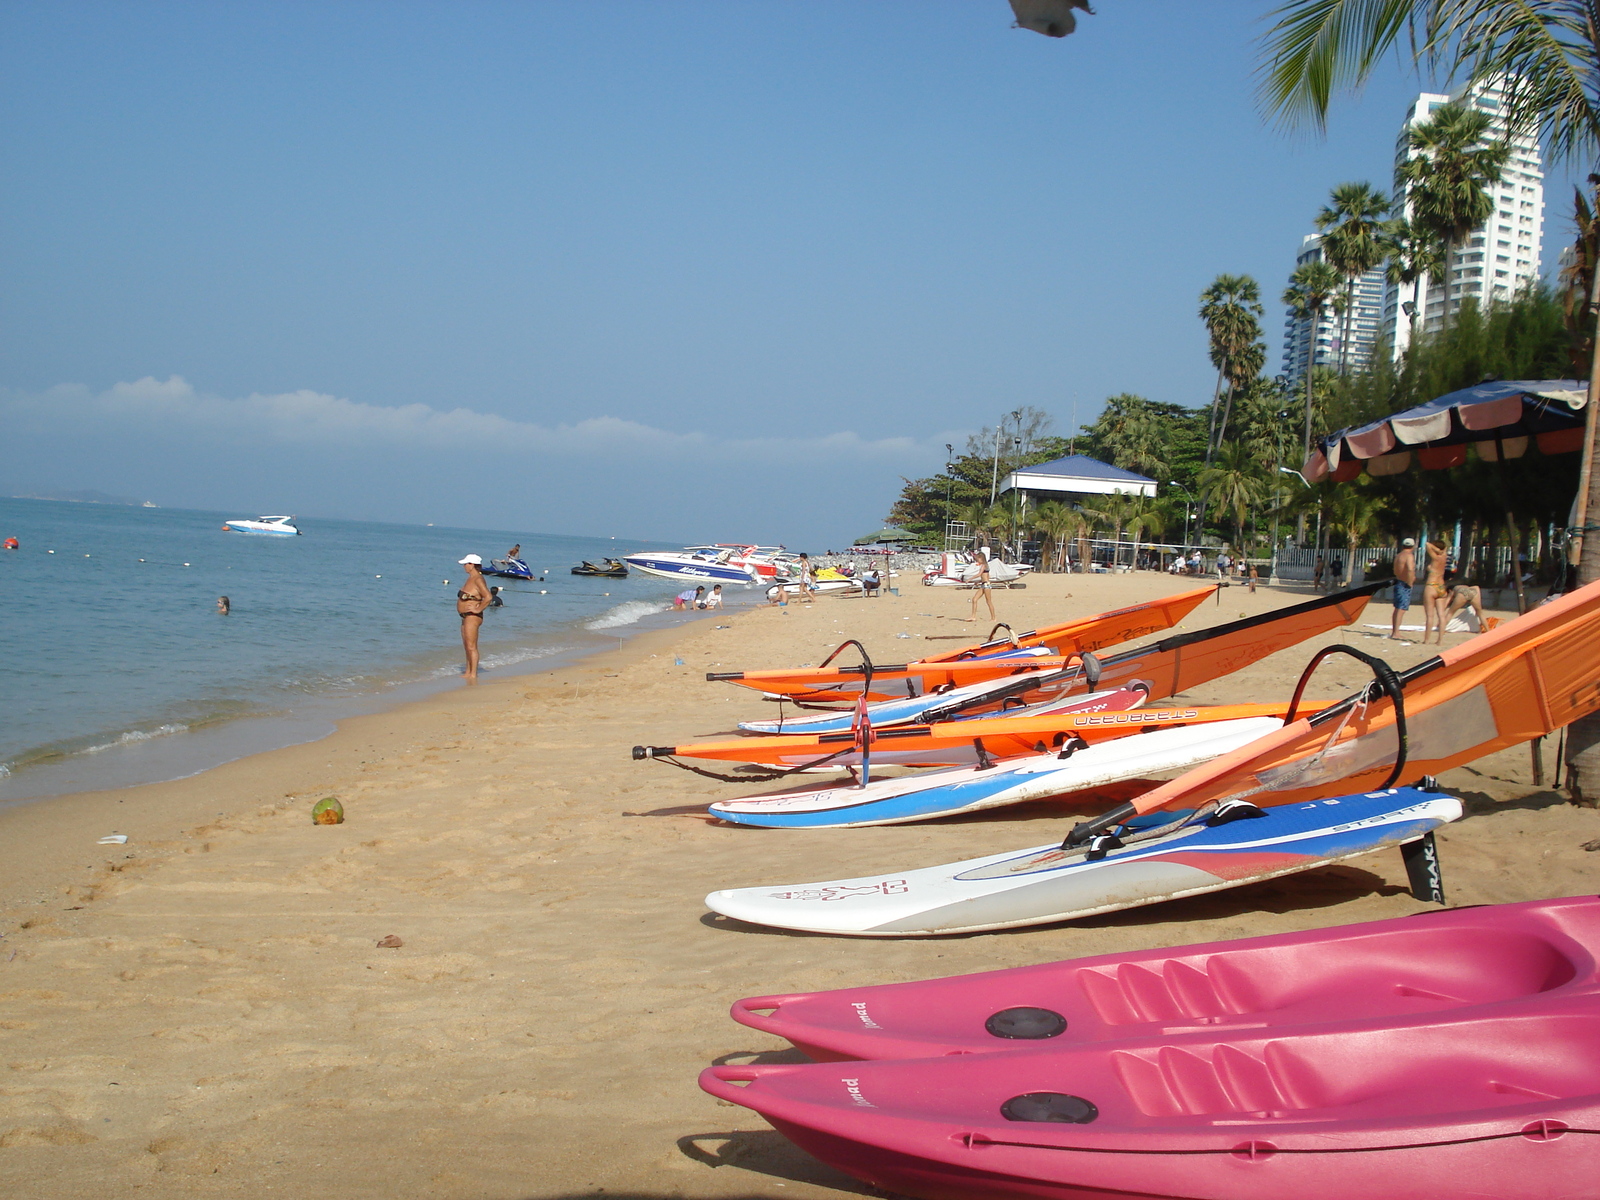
x=205, y=1010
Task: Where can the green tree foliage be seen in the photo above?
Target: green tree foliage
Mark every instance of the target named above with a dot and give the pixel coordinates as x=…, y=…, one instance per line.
x=1453, y=161
x=1159, y=440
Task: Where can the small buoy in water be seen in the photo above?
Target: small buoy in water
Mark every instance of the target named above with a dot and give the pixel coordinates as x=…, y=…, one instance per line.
x=377, y=576
x=544, y=591
x=141, y=560
x=49, y=551
x=86, y=556
x=186, y=564
x=327, y=811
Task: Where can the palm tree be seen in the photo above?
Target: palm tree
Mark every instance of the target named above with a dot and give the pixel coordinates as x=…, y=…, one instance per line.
x=1233, y=483
x=1230, y=307
x=1453, y=160
x=1548, y=53
x=1059, y=523
x=1148, y=516
x=1411, y=256
x=1352, y=242
x=1353, y=510
x=1310, y=288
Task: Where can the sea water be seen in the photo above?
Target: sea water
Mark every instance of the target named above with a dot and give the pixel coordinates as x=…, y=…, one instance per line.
x=118, y=668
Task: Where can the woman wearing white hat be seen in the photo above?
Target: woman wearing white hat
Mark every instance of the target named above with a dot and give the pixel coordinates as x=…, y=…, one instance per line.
x=471, y=600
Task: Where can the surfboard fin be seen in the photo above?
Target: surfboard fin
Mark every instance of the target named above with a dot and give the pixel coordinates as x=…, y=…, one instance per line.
x=1422, y=869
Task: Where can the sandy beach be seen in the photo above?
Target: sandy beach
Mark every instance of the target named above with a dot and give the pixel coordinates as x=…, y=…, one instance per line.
x=205, y=1011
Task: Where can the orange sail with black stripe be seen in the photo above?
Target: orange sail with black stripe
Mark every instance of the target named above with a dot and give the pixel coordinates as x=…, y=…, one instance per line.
x=1174, y=664
x=960, y=667
x=1525, y=679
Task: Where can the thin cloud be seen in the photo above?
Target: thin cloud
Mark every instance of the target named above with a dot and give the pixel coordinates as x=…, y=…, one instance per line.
x=306, y=417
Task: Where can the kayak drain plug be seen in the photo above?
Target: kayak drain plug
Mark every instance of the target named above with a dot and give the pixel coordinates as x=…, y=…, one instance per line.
x=1049, y=1106
x=1028, y=1023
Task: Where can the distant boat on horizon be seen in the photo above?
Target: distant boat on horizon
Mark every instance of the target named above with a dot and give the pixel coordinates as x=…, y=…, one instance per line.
x=279, y=526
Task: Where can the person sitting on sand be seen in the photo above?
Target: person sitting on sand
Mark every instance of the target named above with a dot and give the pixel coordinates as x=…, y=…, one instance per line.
x=472, y=598
x=713, y=598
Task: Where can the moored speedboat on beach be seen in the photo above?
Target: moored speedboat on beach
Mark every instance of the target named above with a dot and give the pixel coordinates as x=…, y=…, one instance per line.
x=279, y=526
x=961, y=570
x=720, y=564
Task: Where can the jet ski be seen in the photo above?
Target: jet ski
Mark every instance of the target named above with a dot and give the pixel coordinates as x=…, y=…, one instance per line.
x=609, y=568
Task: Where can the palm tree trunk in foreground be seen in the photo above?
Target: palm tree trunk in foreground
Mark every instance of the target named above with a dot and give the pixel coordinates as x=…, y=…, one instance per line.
x=1583, y=735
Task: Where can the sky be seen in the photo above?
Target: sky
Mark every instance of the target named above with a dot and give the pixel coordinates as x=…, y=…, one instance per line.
x=670, y=269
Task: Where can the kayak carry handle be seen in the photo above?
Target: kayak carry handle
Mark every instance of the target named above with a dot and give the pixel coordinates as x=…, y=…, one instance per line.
x=743, y=1011
x=723, y=676
x=642, y=752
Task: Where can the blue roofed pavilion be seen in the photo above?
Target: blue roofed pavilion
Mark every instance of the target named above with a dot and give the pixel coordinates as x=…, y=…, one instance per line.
x=1077, y=475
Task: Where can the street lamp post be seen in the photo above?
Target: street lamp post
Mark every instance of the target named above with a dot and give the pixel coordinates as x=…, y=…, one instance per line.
x=1187, y=510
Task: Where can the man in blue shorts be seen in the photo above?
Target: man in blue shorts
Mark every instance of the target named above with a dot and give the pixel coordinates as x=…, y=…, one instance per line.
x=1405, y=574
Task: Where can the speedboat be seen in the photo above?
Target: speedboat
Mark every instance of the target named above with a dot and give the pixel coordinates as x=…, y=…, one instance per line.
x=719, y=564
x=280, y=526
x=509, y=568
x=961, y=570
x=608, y=568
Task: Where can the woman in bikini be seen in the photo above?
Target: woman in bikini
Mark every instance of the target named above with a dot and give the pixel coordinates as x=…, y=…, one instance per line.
x=471, y=600
x=1435, y=595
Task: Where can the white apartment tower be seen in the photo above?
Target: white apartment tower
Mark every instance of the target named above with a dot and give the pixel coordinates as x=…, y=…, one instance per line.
x=1501, y=255
x=1323, y=346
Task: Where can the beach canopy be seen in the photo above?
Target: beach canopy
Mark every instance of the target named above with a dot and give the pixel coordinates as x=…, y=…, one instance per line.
x=886, y=537
x=1078, y=475
x=1500, y=419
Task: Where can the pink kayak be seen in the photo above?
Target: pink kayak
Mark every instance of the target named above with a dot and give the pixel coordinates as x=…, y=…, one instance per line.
x=1483, y=1103
x=1451, y=1054
x=1431, y=962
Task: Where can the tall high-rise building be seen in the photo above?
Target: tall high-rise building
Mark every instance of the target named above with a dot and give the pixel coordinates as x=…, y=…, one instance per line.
x=1501, y=255
x=1324, y=345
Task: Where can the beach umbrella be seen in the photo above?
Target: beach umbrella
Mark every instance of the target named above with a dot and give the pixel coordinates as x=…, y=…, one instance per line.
x=1500, y=419
x=1053, y=18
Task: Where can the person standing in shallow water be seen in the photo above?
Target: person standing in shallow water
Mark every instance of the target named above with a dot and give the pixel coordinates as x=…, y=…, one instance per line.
x=473, y=597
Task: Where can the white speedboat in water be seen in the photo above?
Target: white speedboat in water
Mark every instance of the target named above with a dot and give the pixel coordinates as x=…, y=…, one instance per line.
x=717, y=564
x=281, y=526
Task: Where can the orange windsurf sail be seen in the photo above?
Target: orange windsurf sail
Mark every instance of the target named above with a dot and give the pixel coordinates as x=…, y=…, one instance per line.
x=1529, y=677
x=960, y=667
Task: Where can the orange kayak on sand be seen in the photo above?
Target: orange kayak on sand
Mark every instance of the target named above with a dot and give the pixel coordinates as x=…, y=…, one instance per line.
x=1524, y=679
x=1054, y=646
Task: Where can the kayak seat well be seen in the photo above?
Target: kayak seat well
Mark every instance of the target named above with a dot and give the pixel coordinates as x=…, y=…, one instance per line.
x=1397, y=972
x=1371, y=1074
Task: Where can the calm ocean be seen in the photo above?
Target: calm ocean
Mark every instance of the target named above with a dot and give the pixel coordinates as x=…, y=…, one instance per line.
x=118, y=669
